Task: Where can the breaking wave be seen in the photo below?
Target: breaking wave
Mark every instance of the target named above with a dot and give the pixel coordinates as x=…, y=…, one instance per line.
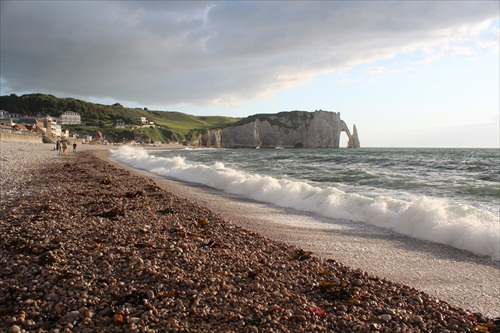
x=428, y=218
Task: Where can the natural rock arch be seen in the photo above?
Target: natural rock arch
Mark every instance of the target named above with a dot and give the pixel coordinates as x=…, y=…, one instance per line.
x=353, y=138
x=285, y=129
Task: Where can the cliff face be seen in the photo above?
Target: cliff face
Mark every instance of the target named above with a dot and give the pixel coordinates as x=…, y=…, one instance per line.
x=319, y=129
x=210, y=138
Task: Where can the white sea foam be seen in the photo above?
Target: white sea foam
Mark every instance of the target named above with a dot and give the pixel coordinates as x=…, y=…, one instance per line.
x=434, y=219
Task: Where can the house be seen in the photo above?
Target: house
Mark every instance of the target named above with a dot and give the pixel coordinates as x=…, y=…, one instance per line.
x=14, y=115
x=31, y=122
x=7, y=122
x=120, y=123
x=141, y=120
x=70, y=118
x=20, y=128
x=52, y=127
x=86, y=138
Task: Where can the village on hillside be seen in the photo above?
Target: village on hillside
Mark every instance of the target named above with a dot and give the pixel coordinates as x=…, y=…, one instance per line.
x=53, y=128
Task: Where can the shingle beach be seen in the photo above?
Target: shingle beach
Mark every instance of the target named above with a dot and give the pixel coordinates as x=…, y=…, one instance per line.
x=87, y=246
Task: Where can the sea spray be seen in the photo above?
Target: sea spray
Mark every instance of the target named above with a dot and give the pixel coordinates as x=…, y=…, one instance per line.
x=440, y=220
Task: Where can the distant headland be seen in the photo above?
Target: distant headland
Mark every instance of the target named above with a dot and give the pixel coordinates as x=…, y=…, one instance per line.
x=50, y=116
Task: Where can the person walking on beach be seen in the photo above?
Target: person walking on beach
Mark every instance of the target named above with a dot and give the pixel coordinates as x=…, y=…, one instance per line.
x=64, y=146
x=74, y=147
x=58, y=147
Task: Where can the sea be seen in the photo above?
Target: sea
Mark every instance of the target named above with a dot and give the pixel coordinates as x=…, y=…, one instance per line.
x=447, y=196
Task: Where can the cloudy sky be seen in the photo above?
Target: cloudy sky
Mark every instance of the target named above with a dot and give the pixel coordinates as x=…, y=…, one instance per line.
x=406, y=73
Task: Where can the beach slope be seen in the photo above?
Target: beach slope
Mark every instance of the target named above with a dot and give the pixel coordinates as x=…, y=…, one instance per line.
x=87, y=246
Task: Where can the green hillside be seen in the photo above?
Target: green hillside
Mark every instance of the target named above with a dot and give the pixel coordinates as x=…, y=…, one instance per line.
x=170, y=125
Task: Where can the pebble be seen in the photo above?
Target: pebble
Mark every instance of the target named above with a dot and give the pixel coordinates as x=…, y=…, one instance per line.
x=150, y=294
x=133, y=320
x=386, y=317
x=357, y=282
x=81, y=252
x=419, y=320
x=14, y=329
x=73, y=315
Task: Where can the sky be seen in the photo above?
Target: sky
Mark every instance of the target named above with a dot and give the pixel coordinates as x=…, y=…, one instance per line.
x=406, y=73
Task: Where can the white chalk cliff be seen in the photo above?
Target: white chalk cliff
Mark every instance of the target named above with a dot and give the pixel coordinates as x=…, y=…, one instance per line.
x=319, y=129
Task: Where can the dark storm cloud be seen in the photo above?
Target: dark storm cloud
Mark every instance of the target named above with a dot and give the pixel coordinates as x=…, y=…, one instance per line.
x=155, y=52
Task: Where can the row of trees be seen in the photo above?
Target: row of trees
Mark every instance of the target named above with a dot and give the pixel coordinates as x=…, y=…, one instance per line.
x=51, y=105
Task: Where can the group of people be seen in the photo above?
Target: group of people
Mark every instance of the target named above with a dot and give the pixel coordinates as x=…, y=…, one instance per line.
x=62, y=146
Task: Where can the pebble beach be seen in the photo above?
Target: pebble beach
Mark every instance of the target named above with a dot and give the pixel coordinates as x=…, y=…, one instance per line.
x=88, y=246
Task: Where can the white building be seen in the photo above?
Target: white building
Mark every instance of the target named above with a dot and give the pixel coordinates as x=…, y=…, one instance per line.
x=120, y=123
x=70, y=118
x=14, y=115
x=141, y=120
x=52, y=128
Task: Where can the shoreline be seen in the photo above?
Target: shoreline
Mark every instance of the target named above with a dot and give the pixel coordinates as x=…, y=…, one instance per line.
x=456, y=276
x=92, y=246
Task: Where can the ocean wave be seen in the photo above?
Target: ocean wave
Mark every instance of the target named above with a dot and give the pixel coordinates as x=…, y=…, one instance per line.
x=439, y=220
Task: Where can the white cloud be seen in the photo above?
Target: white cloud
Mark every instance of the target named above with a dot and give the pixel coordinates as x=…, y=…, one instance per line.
x=376, y=70
x=201, y=52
